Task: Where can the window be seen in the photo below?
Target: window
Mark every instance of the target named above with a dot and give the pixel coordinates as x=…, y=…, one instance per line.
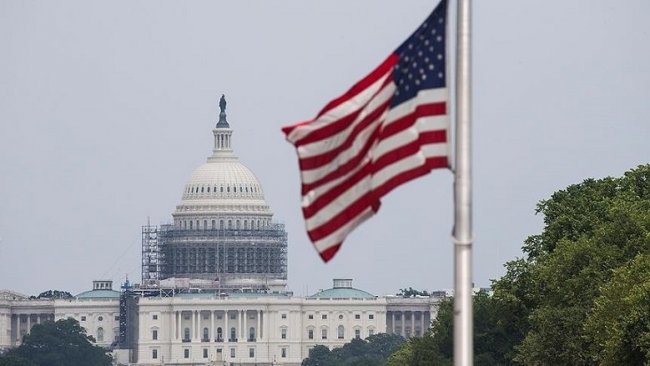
x=233, y=334
x=310, y=334
x=100, y=318
x=357, y=333
x=283, y=332
x=371, y=332
x=310, y=316
x=154, y=317
x=205, y=353
x=251, y=352
x=205, y=224
x=284, y=316
x=214, y=224
x=186, y=334
x=341, y=317
x=219, y=333
x=371, y=316
x=154, y=354
x=323, y=333
x=251, y=334
x=341, y=332
x=283, y=353
x=117, y=318
x=83, y=318
x=357, y=316
x=206, y=336
x=232, y=353
x=154, y=334
x=100, y=334
x=324, y=316
x=186, y=353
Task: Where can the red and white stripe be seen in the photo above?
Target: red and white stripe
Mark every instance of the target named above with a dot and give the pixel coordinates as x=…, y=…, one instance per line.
x=358, y=149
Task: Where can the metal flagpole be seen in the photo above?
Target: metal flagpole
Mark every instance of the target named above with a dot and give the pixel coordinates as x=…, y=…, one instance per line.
x=463, y=323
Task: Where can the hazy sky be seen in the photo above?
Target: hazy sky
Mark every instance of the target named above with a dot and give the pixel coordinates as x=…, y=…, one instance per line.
x=107, y=107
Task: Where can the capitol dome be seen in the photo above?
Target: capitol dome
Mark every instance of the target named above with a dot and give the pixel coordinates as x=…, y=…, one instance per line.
x=222, y=189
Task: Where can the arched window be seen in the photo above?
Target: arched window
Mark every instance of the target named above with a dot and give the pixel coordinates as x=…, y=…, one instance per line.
x=208, y=189
x=251, y=334
x=205, y=224
x=186, y=334
x=191, y=224
x=219, y=334
x=202, y=188
x=100, y=334
x=206, y=335
x=245, y=224
x=233, y=334
x=220, y=224
x=341, y=332
x=221, y=189
x=229, y=224
x=214, y=224
x=237, y=224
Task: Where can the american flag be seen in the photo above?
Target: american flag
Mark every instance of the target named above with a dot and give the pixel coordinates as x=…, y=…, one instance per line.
x=389, y=128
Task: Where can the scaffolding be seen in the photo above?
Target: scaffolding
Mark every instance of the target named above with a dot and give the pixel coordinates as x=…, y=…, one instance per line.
x=254, y=258
x=150, y=255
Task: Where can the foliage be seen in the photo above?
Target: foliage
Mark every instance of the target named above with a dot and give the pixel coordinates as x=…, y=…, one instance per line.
x=592, y=231
x=373, y=351
x=436, y=347
x=411, y=292
x=61, y=343
x=53, y=294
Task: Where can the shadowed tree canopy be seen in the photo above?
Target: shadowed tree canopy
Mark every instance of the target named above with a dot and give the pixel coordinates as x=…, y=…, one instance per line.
x=53, y=294
x=61, y=343
x=411, y=292
x=373, y=351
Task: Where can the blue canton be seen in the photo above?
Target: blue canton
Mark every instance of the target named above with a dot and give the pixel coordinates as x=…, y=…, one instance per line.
x=421, y=62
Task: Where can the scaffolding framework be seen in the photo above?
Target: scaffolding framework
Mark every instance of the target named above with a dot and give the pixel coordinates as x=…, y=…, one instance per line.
x=214, y=254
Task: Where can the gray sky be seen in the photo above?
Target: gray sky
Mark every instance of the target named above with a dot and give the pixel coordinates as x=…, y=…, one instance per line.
x=107, y=107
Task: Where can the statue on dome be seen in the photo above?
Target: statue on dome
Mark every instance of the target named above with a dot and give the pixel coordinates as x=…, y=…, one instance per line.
x=222, y=103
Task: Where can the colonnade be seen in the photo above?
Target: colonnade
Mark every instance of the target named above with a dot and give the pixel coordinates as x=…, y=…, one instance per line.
x=403, y=323
x=29, y=319
x=190, y=325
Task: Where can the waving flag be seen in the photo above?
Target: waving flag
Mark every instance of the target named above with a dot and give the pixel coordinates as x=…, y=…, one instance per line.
x=389, y=128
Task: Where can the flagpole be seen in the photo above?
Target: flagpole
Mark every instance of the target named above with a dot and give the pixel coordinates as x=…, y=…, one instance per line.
x=463, y=323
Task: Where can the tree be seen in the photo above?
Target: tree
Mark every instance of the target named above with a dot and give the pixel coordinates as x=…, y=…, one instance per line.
x=373, y=351
x=411, y=292
x=61, y=343
x=53, y=294
x=592, y=229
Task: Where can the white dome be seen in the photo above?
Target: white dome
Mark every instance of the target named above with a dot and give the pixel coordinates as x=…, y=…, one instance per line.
x=223, y=180
x=222, y=188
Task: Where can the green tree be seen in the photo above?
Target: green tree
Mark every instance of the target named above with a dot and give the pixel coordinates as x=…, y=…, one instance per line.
x=373, y=351
x=591, y=230
x=53, y=294
x=619, y=323
x=411, y=292
x=61, y=343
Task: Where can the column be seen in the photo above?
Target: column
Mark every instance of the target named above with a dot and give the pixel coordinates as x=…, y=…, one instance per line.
x=392, y=314
x=258, y=330
x=193, y=326
x=226, y=331
x=412, y=323
x=212, y=333
x=29, y=323
x=245, y=329
x=242, y=335
x=422, y=328
x=179, y=330
x=172, y=316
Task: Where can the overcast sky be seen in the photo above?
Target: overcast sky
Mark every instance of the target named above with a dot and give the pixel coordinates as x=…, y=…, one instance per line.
x=106, y=108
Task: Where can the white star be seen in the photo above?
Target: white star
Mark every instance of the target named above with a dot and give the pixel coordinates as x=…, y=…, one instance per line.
x=431, y=67
x=417, y=82
x=420, y=53
x=440, y=75
x=410, y=76
x=415, y=64
x=430, y=50
x=426, y=42
x=424, y=76
x=439, y=38
x=406, y=87
x=410, y=46
x=426, y=59
x=439, y=57
x=440, y=20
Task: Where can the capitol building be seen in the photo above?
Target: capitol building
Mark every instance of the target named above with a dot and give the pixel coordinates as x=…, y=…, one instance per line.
x=214, y=286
